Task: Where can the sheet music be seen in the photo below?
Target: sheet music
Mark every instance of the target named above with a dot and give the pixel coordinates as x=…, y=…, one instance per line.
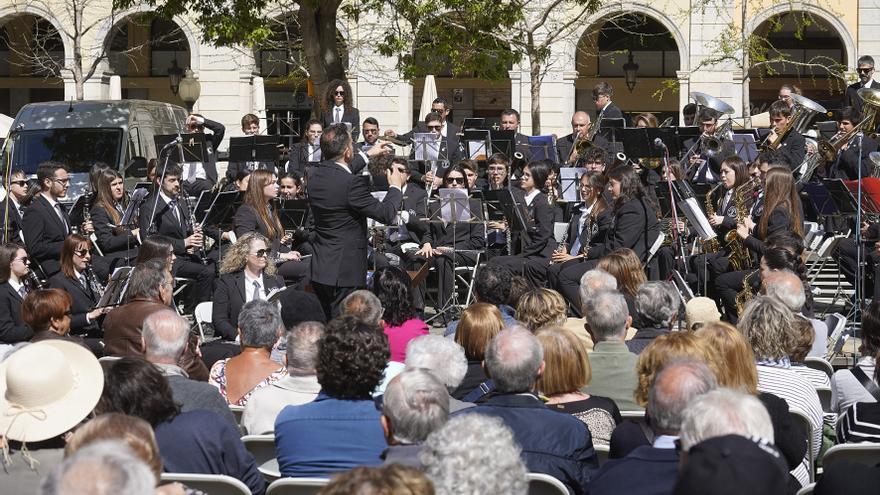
x=427, y=146
x=455, y=205
x=476, y=150
x=697, y=218
x=568, y=180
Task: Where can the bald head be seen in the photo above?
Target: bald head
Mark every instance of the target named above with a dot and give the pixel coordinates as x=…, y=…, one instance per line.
x=787, y=287
x=674, y=387
x=514, y=359
x=164, y=334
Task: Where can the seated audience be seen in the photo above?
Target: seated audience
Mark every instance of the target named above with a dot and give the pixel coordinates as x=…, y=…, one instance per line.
x=166, y=336
x=652, y=468
x=849, y=477
x=366, y=306
x=555, y=444
x=725, y=412
x=444, y=359
x=259, y=325
x=47, y=312
x=656, y=311
x=859, y=423
x=802, y=341
x=700, y=311
x=190, y=442
x=14, y=266
x=415, y=404
x=392, y=286
x=384, y=480
x=33, y=443
x=540, y=308
x=300, y=386
x=849, y=386
x=566, y=372
x=766, y=323
x=788, y=287
x=340, y=429
x=613, y=366
x=474, y=453
x=103, y=468
x=729, y=465
x=479, y=324
x=494, y=285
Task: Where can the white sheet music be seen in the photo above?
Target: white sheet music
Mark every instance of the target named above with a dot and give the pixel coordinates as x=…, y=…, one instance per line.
x=568, y=180
x=697, y=218
x=454, y=205
x=427, y=146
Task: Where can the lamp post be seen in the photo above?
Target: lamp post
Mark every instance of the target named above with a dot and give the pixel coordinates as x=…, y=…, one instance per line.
x=630, y=69
x=175, y=74
x=190, y=89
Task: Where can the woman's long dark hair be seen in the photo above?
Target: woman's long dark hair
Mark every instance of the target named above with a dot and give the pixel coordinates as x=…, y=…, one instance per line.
x=136, y=387
x=327, y=104
x=392, y=286
x=630, y=185
x=597, y=182
x=104, y=196
x=540, y=170
x=254, y=198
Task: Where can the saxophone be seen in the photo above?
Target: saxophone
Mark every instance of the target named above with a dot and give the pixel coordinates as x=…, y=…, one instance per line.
x=740, y=257
x=745, y=295
x=712, y=245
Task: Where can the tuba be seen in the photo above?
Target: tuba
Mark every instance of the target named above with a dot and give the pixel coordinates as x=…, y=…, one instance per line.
x=804, y=111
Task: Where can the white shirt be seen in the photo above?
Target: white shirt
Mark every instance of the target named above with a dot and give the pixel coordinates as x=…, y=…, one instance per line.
x=869, y=84
x=314, y=153
x=531, y=196
x=193, y=171
x=341, y=113
x=249, y=287
x=16, y=285
x=54, y=205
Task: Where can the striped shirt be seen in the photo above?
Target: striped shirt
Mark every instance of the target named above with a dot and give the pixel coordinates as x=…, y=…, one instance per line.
x=799, y=393
x=860, y=423
x=846, y=389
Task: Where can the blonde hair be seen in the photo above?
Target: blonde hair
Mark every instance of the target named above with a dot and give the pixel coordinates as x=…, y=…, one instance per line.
x=236, y=256
x=566, y=366
x=136, y=433
x=732, y=355
x=625, y=266
x=541, y=307
x=479, y=323
x=766, y=323
x=664, y=349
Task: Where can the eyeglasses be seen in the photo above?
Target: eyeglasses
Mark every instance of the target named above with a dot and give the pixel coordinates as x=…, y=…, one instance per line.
x=21, y=183
x=339, y=93
x=261, y=253
x=864, y=70
x=23, y=259
x=62, y=181
x=82, y=253
x=435, y=127
x=455, y=180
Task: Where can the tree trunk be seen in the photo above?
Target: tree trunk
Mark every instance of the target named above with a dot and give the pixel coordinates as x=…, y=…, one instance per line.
x=317, y=23
x=535, y=79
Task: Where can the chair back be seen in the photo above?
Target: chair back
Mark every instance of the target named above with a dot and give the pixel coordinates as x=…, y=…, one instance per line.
x=544, y=484
x=602, y=451
x=807, y=490
x=203, y=312
x=825, y=399
x=262, y=447
x=803, y=419
x=296, y=486
x=820, y=364
x=862, y=453
x=215, y=484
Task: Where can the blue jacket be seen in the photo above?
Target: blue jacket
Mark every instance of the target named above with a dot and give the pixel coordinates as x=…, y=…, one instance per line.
x=202, y=442
x=328, y=435
x=645, y=471
x=552, y=442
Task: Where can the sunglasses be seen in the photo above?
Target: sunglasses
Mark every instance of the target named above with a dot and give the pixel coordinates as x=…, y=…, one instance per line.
x=21, y=183
x=435, y=127
x=23, y=259
x=61, y=181
x=865, y=71
x=261, y=253
x=82, y=253
x=455, y=180
x=371, y=131
x=339, y=93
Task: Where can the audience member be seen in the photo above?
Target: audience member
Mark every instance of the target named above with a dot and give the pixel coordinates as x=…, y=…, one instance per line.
x=788, y=287
x=593, y=282
x=849, y=386
x=540, y=308
x=652, y=468
x=444, y=359
x=365, y=306
x=300, y=386
x=722, y=412
x=415, y=404
x=656, y=311
x=392, y=479
x=474, y=453
x=566, y=372
x=859, y=423
x=103, y=468
x=493, y=285
x=479, y=324
x=802, y=334
x=731, y=465
x=340, y=429
x=47, y=312
x=46, y=389
x=190, y=442
x=392, y=286
x=237, y=378
x=766, y=323
x=555, y=444
x=699, y=311
x=626, y=268
x=613, y=365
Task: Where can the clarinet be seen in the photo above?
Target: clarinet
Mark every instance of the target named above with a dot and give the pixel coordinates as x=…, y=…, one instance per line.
x=203, y=257
x=96, y=288
x=33, y=281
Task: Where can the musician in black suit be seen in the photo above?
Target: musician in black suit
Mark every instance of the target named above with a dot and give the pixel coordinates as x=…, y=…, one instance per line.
x=250, y=126
x=533, y=248
x=446, y=154
x=580, y=128
x=45, y=222
x=340, y=203
x=246, y=274
x=705, y=164
x=308, y=150
x=410, y=224
x=857, y=149
x=118, y=243
x=510, y=122
x=198, y=177
x=14, y=266
x=77, y=279
x=167, y=213
x=793, y=147
x=865, y=70
x=605, y=108
x=448, y=130
x=634, y=226
x=10, y=219
x=337, y=107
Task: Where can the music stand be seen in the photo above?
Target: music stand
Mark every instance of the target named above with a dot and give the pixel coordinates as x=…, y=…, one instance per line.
x=285, y=128
x=293, y=213
x=470, y=123
x=636, y=144
x=610, y=127
x=76, y=211
x=116, y=288
x=820, y=197
x=541, y=147
x=684, y=134
x=190, y=150
x=746, y=146
x=220, y=208
x=841, y=196
x=668, y=136
x=253, y=149
x=477, y=143
x=503, y=142
x=569, y=181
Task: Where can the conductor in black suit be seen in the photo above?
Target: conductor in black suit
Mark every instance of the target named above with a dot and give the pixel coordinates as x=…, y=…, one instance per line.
x=45, y=222
x=337, y=107
x=865, y=70
x=605, y=108
x=341, y=203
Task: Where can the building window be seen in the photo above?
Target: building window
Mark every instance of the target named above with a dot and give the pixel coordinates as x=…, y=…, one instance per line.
x=652, y=46
x=168, y=43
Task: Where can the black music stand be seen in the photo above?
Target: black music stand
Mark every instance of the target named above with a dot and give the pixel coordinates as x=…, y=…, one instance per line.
x=220, y=208
x=76, y=211
x=668, y=136
x=841, y=196
x=116, y=288
x=253, y=149
x=286, y=129
x=609, y=129
x=470, y=123
x=190, y=150
x=477, y=142
x=636, y=144
x=569, y=181
x=542, y=148
x=293, y=213
x=503, y=142
x=746, y=145
x=685, y=134
x=818, y=195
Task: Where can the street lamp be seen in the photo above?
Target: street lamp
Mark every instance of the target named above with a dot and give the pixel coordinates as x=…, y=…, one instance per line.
x=190, y=89
x=175, y=74
x=630, y=69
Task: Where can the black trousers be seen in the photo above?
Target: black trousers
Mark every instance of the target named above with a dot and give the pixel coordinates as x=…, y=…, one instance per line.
x=202, y=287
x=728, y=285
x=566, y=279
x=196, y=187
x=446, y=272
x=296, y=272
x=331, y=297
x=533, y=268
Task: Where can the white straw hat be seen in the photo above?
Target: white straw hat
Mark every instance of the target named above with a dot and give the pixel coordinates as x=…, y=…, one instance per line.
x=46, y=389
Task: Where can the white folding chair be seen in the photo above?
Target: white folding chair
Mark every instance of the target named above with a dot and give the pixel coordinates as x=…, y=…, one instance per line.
x=655, y=247
x=807, y=490
x=862, y=453
x=836, y=324
x=638, y=416
x=818, y=363
x=237, y=411
x=263, y=449
x=107, y=361
x=802, y=418
x=203, y=314
x=825, y=398
x=296, y=486
x=602, y=451
x=544, y=484
x=215, y=484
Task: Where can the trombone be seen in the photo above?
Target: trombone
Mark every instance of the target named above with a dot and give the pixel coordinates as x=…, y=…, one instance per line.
x=804, y=111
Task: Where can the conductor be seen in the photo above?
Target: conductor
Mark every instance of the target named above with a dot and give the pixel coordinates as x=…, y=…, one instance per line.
x=341, y=203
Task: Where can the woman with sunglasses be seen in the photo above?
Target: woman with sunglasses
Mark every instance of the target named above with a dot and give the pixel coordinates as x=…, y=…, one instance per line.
x=77, y=279
x=443, y=240
x=245, y=274
x=14, y=267
x=118, y=243
x=337, y=109
x=258, y=214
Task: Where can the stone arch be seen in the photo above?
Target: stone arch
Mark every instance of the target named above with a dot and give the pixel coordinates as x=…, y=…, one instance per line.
x=38, y=9
x=104, y=30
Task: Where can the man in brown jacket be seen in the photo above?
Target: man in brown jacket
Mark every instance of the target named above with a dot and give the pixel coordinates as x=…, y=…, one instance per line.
x=149, y=290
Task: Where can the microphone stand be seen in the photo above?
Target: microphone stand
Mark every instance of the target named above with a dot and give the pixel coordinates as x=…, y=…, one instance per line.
x=676, y=238
x=859, y=285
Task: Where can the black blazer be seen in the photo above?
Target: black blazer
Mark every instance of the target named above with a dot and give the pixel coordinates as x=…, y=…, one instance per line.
x=539, y=243
x=634, y=226
x=847, y=165
x=12, y=329
x=596, y=235
x=350, y=115
x=793, y=148
x=229, y=297
x=213, y=142
x=340, y=204
x=470, y=236
x=852, y=95
x=780, y=219
x=83, y=302
x=114, y=242
x=44, y=234
x=612, y=111
x=165, y=222
x=299, y=159
x=564, y=144
x=247, y=220
x=13, y=226
x=415, y=201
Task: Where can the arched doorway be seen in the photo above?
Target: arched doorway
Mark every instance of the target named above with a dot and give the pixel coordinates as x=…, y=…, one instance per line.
x=31, y=57
x=605, y=47
x=798, y=48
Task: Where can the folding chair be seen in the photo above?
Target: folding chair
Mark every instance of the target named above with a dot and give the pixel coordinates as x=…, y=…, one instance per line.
x=203, y=314
x=263, y=449
x=544, y=484
x=862, y=453
x=296, y=486
x=215, y=484
x=804, y=419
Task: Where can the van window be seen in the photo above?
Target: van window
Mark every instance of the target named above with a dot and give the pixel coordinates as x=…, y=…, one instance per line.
x=77, y=148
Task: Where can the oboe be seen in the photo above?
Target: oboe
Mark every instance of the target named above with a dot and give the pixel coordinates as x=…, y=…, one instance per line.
x=95, y=286
x=33, y=281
